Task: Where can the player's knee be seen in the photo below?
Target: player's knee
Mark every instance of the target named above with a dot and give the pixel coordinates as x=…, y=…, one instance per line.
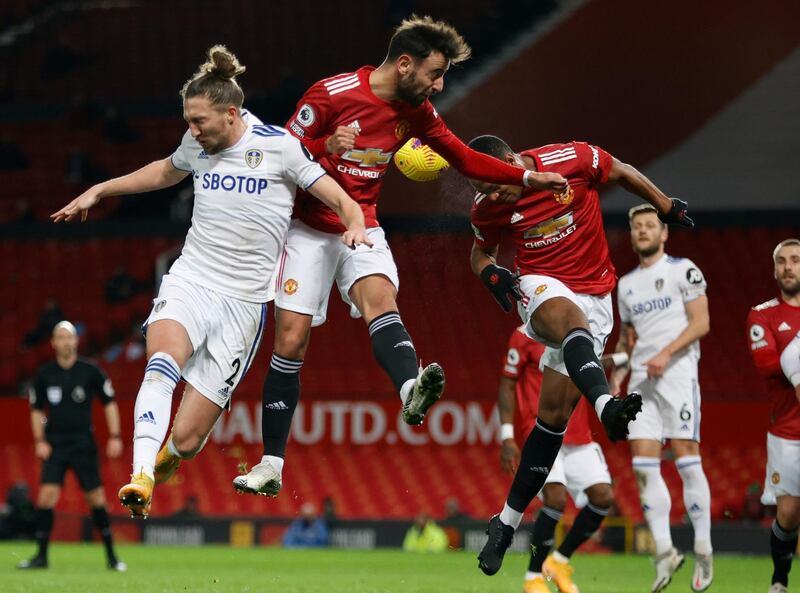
x=48, y=497
x=788, y=513
x=187, y=443
x=601, y=496
x=291, y=342
x=555, y=497
x=556, y=414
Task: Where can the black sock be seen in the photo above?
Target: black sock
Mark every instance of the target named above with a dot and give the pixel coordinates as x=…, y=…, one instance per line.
x=542, y=540
x=103, y=526
x=279, y=398
x=586, y=524
x=782, y=544
x=393, y=348
x=536, y=461
x=44, y=525
x=583, y=366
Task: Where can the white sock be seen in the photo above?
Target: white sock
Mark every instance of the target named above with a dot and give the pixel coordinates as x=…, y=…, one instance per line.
x=275, y=461
x=600, y=403
x=172, y=449
x=697, y=499
x=529, y=576
x=655, y=500
x=405, y=390
x=559, y=557
x=510, y=517
x=153, y=410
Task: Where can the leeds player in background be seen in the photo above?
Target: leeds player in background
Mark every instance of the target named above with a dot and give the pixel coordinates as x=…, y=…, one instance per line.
x=664, y=312
x=579, y=471
x=210, y=311
x=352, y=123
x=64, y=437
x=773, y=334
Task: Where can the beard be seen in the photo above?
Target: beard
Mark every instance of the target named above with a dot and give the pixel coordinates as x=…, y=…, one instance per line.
x=789, y=286
x=407, y=91
x=648, y=250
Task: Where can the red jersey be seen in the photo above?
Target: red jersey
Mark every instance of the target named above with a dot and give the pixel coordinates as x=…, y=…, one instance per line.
x=556, y=235
x=522, y=364
x=348, y=100
x=770, y=327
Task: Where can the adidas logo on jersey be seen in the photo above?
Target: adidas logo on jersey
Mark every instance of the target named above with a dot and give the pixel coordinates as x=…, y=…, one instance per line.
x=279, y=405
x=589, y=365
x=784, y=327
x=354, y=124
x=147, y=417
x=516, y=217
x=223, y=392
x=202, y=155
x=406, y=343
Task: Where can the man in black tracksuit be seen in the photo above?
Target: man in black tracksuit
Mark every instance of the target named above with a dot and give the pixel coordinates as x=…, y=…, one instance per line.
x=64, y=437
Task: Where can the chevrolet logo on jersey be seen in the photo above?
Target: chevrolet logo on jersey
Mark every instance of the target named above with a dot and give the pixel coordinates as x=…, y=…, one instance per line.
x=550, y=227
x=550, y=231
x=369, y=157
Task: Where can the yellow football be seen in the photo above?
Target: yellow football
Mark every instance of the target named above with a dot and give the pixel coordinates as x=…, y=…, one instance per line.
x=418, y=161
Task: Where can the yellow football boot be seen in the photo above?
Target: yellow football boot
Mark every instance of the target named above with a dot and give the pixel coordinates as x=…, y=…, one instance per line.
x=137, y=495
x=561, y=574
x=166, y=465
x=537, y=585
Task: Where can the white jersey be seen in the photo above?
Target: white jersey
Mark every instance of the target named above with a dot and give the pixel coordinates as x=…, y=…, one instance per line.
x=243, y=200
x=653, y=300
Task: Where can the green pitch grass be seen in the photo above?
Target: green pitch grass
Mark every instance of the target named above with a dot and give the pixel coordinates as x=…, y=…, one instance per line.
x=212, y=569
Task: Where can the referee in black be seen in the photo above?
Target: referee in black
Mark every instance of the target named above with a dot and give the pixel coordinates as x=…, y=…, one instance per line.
x=64, y=437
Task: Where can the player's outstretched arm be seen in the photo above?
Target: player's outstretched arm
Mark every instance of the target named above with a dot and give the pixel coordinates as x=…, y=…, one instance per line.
x=506, y=406
x=476, y=165
x=156, y=175
x=332, y=195
x=670, y=210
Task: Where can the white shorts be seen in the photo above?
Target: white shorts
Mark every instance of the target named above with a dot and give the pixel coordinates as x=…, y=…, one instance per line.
x=224, y=331
x=783, y=469
x=670, y=406
x=598, y=310
x=312, y=260
x=579, y=467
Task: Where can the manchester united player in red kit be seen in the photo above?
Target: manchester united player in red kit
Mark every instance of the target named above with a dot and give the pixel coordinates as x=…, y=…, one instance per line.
x=564, y=285
x=352, y=123
x=774, y=336
x=580, y=469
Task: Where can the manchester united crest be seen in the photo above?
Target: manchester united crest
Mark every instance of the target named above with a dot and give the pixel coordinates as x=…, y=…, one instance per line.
x=290, y=286
x=565, y=197
x=402, y=128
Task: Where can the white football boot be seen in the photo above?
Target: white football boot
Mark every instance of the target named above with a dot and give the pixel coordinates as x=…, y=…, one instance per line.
x=666, y=565
x=263, y=479
x=703, y=572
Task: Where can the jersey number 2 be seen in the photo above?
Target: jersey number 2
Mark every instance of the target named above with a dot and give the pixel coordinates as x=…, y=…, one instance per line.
x=235, y=364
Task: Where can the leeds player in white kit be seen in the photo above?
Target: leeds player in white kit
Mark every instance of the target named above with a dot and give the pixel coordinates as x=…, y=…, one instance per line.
x=664, y=312
x=210, y=311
